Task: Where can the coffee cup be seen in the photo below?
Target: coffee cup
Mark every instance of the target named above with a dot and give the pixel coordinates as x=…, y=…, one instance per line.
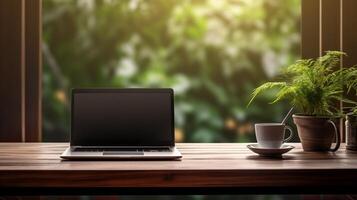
x=271, y=135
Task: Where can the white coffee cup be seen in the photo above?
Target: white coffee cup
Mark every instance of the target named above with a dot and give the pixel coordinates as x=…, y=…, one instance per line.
x=271, y=135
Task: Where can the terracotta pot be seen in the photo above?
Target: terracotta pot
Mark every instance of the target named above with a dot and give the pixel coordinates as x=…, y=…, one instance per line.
x=317, y=133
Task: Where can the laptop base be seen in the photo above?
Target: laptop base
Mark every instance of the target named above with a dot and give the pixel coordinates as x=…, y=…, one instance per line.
x=69, y=154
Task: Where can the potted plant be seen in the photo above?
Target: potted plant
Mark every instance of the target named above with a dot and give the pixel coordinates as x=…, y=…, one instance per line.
x=313, y=87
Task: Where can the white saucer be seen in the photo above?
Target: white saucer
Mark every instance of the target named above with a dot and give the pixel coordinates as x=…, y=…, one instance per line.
x=270, y=152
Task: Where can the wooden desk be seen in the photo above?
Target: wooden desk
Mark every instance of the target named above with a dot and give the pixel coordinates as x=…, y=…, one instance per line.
x=205, y=167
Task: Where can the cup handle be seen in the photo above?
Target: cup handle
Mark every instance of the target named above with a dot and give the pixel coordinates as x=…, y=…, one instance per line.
x=337, y=135
x=291, y=133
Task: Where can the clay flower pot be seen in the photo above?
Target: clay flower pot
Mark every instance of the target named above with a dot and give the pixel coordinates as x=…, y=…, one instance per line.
x=317, y=133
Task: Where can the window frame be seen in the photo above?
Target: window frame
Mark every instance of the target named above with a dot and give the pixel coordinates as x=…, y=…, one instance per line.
x=325, y=25
x=21, y=71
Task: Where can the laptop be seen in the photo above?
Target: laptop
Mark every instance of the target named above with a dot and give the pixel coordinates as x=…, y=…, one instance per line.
x=122, y=124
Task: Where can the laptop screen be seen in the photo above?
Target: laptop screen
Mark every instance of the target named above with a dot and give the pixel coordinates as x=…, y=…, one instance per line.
x=122, y=117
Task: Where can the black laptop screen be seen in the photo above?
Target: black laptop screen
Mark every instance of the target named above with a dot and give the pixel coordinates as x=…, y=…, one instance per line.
x=122, y=118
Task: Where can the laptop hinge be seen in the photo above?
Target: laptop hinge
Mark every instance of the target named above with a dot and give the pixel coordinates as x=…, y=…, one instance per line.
x=121, y=147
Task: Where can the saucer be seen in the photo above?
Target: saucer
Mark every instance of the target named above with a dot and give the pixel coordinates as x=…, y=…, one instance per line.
x=270, y=152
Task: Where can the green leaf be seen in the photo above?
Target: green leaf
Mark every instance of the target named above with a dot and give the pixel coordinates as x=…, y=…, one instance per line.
x=264, y=87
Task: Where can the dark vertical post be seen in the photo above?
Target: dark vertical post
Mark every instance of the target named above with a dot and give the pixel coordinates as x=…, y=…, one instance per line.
x=20, y=70
x=331, y=35
x=33, y=72
x=349, y=32
x=310, y=40
x=12, y=65
x=330, y=25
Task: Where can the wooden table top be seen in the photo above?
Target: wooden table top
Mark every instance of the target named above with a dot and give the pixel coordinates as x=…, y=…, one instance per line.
x=214, y=165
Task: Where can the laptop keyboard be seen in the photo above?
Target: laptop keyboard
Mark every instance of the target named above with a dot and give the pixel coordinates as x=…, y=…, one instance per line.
x=83, y=149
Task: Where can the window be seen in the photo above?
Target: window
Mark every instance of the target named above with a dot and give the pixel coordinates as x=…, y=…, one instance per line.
x=213, y=53
x=220, y=85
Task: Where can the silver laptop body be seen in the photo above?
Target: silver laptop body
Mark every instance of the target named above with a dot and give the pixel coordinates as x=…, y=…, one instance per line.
x=123, y=124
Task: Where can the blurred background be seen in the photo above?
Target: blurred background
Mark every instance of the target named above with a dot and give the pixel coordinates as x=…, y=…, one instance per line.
x=212, y=52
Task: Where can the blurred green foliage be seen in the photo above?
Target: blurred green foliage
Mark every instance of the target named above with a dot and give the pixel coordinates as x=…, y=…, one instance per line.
x=212, y=52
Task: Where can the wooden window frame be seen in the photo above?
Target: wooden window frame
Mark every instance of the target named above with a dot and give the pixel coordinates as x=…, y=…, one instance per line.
x=325, y=25
x=329, y=25
x=20, y=71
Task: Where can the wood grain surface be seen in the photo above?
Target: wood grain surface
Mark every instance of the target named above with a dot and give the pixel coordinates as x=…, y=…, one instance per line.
x=37, y=165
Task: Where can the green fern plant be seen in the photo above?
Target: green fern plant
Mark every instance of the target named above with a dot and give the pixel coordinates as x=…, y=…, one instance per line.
x=313, y=86
x=351, y=83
